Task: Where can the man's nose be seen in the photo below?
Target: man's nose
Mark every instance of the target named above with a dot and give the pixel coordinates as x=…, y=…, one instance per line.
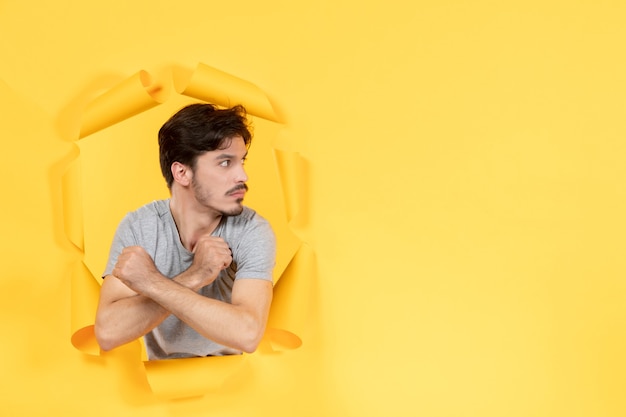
x=241, y=175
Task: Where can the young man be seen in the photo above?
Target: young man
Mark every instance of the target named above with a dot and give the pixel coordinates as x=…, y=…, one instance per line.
x=192, y=274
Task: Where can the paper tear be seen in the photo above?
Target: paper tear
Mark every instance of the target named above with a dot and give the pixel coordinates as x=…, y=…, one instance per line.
x=179, y=378
x=294, y=297
x=293, y=177
x=72, y=204
x=129, y=98
x=84, y=298
x=215, y=86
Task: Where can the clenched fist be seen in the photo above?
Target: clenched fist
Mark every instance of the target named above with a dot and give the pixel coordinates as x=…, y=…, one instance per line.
x=211, y=255
x=135, y=268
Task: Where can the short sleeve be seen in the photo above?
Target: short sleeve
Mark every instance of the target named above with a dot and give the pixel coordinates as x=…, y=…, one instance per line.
x=124, y=237
x=256, y=251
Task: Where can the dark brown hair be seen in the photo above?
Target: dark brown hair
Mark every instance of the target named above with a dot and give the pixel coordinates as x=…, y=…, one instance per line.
x=196, y=129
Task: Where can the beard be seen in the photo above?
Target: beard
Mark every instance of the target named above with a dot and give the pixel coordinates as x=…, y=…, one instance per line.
x=233, y=212
x=204, y=197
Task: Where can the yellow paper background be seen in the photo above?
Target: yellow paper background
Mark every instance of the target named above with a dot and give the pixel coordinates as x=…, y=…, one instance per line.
x=465, y=191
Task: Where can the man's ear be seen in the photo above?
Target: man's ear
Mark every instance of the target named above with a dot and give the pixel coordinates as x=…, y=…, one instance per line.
x=182, y=174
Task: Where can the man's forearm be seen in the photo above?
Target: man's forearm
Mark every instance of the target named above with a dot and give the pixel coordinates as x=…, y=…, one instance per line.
x=129, y=318
x=225, y=323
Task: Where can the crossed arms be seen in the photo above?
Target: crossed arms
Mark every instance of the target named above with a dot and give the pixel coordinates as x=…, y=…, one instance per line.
x=136, y=298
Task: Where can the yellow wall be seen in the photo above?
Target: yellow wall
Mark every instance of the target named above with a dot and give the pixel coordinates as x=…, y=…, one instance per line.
x=464, y=196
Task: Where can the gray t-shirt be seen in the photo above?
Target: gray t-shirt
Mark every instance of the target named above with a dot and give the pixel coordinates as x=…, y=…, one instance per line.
x=152, y=227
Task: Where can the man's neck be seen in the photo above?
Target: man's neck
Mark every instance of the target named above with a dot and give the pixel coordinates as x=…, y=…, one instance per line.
x=192, y=220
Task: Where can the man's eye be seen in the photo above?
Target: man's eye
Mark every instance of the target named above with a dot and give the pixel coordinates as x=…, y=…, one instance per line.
x=225, y=163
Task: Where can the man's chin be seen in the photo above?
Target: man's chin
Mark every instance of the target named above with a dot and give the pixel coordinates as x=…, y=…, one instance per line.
x=236, y=211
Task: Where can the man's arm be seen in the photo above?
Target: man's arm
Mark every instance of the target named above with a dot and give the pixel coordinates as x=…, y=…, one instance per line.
x=239, y=325
x=137, y=297
x=124, y=315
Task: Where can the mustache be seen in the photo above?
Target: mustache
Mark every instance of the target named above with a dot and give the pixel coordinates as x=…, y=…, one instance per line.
x=236, y=188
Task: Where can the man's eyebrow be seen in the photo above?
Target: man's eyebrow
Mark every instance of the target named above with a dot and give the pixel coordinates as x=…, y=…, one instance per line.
x=228, y=156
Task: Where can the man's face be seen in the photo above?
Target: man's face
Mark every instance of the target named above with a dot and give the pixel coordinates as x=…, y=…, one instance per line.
x=219, y=178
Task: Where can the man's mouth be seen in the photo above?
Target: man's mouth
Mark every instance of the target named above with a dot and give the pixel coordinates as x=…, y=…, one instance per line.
x=238, y=191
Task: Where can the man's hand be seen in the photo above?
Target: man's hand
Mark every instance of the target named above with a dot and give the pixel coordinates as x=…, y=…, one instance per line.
x=211, y=255
x=135, y=268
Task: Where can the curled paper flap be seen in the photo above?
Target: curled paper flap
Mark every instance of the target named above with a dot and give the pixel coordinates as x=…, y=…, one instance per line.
x=218, y=87
x=130, y=97
x=73, y=204
x=190, y=377
x=278, y=340
x=293, y=179
x=281, y=340
x=294, y=297
x=85, y=292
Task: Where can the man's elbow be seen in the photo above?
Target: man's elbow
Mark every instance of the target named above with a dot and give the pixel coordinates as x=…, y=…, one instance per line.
x=104, y=338
x=249, y=346
x=251, y=338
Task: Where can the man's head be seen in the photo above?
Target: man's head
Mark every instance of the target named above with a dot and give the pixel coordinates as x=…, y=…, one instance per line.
x=197, y=129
